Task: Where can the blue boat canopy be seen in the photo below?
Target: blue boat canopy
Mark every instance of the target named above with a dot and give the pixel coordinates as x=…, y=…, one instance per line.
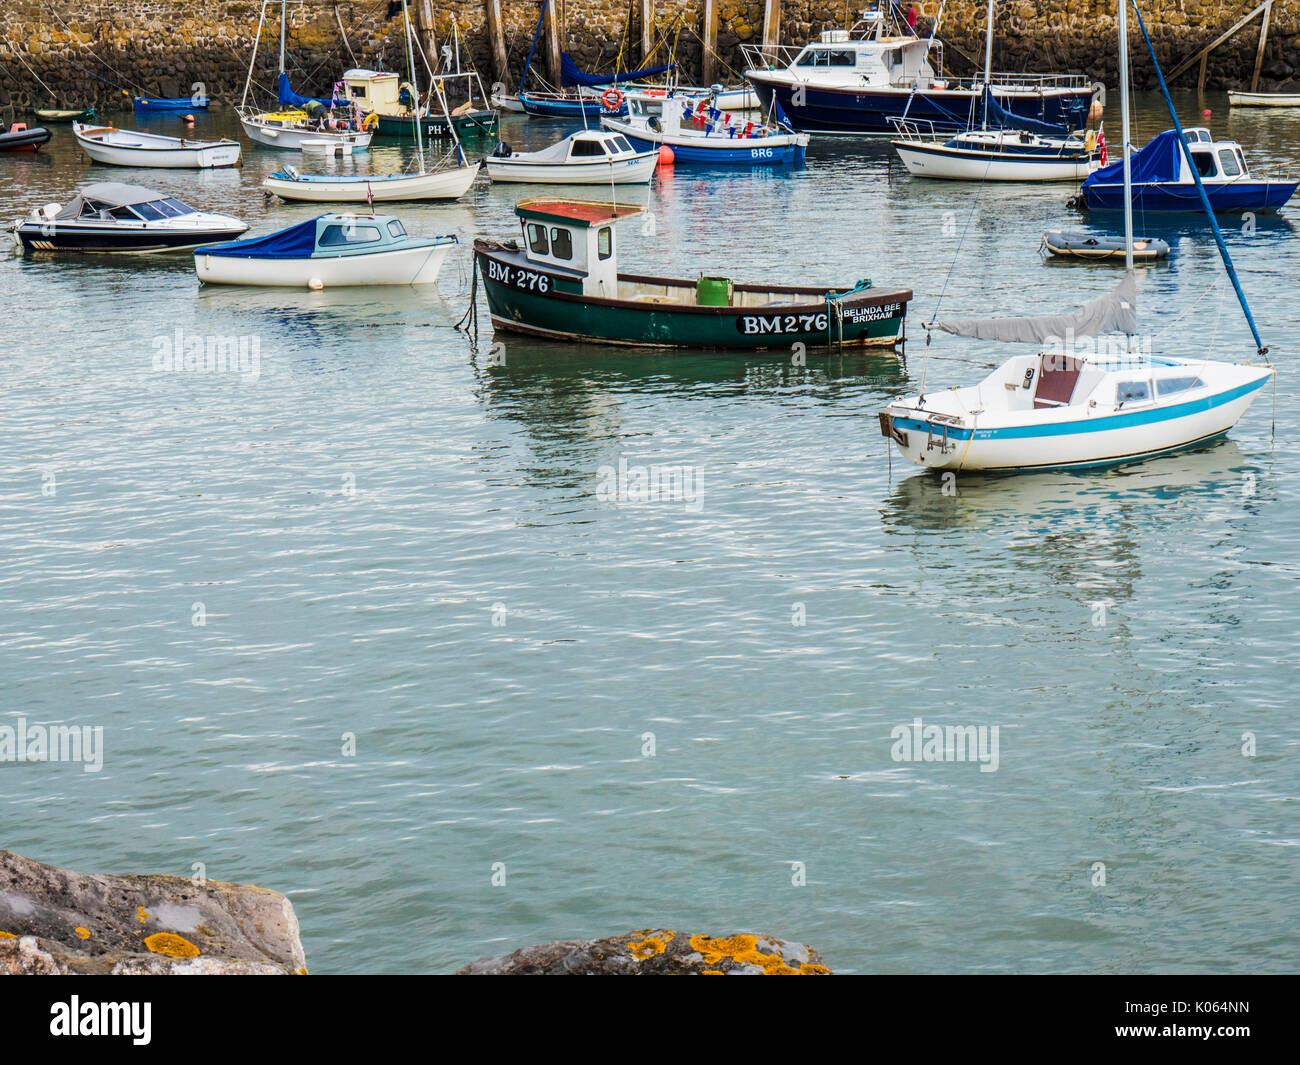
x=289, y=98
x=571, y=75
x=1000, y=118
x=296, y=242
x=1159, y=161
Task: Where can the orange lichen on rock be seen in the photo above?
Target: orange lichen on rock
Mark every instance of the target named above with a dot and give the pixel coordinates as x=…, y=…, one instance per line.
x=142, y=915
x=171, y=945
x=644, y=949
x=82, y=933
x=743, y=949
x=7, y=935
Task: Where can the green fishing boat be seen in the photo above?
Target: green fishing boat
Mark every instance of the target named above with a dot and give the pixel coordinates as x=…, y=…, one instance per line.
x=562, y=282
x=54, y=114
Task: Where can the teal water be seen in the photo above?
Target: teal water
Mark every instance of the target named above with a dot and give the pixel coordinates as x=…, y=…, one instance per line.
x=355, y=519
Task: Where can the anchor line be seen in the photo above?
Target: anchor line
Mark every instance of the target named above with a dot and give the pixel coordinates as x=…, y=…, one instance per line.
x=468, y=323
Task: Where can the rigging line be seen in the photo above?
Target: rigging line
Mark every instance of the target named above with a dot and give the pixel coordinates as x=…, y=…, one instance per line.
x=1261, y=350
x=24, y=62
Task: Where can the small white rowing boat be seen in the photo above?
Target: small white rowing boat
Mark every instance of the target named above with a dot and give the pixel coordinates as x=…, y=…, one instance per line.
x=449, y=184
x=592, y=157
x=1264, y=99
x=128, y=147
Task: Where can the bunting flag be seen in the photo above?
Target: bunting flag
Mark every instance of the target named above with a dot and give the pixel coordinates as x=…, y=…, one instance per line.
x=1101, y=143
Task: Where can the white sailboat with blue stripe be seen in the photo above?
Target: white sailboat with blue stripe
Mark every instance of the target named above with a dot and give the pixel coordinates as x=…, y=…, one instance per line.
x=1080, y=402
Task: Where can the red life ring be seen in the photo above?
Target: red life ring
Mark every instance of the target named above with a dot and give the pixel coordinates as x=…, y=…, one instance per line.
x=612, y=99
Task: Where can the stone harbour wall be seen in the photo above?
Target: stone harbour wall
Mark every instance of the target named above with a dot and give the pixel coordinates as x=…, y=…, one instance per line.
x=60, y=53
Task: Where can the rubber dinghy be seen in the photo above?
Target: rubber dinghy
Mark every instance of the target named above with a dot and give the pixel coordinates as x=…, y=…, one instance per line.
x=327, y=252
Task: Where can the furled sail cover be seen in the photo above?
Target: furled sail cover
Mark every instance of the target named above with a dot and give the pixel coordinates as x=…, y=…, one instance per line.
x=289, y=98
x=296, y=242
x=571, y=75
x=1115, y=312
x=1000, y=118
x=1158, y=161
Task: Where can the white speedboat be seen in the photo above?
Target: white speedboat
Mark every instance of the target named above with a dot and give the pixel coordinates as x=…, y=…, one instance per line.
x=1264, y=99
x=449, y=184
x=110, y=217
x=591, y=157
x=128, y=147
x=326, y=252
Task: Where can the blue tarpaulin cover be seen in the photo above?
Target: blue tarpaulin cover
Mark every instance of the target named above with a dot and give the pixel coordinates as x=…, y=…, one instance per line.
x=289, y=98
x=296, y=242
x=1158, y=161
x=571, y=75
x=1000, y=118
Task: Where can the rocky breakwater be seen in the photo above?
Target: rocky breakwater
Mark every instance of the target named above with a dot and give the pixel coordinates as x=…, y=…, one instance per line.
x=57, y=922
x=658, y=952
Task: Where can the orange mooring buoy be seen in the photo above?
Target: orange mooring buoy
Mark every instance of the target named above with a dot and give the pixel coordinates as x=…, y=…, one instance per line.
x=666, y=155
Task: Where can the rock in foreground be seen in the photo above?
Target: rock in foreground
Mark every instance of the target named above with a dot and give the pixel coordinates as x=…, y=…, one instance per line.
x=657, y=952
x=57, y=922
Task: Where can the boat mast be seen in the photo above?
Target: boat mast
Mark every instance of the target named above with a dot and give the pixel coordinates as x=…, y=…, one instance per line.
x=415, y=86
x=1124, y=134
x=988, y=62
x=243, y=100
x=283, y=5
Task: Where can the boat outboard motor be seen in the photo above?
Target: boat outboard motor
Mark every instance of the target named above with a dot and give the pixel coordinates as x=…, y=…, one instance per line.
x=291, y=172
x=502, y=150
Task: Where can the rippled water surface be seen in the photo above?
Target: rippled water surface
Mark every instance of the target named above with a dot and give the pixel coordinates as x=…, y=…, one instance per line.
x=350, y=525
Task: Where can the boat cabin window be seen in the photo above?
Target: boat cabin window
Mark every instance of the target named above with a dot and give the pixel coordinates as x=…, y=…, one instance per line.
x=1198, y=136
x=561, y=243
x=1204, y=164
x=1170, y=385
x=334, y=236
x=828, y=57
x=151, y=212
x=175, y=206
x=537, y=242
x=1228, y=160
x=605, y=243
x=123, y=214
x=587, y=148
x=396, y=228
x=91, y=209
x=1132, y=391
x=622, y=143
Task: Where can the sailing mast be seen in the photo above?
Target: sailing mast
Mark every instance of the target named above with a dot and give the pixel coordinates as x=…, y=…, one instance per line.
x=283, y=5
x=243, y=100
x=415, y=86
x=1124, y=135
x=988, y=64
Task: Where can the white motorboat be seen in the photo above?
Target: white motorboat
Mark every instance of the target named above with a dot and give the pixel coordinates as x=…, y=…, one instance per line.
x=697, y=133
x=1080, y=402
x=111, y=217
x=327, y=252
x=1264, y=99
x=449, y=184
x=591, y=157
x=128, y=147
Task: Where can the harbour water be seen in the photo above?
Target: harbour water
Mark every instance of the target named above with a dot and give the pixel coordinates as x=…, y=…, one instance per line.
x=360, y=625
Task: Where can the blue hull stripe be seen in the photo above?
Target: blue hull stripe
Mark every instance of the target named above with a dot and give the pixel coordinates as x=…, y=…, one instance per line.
x=787, y=155
x=1091, y=425
x=1156, y=196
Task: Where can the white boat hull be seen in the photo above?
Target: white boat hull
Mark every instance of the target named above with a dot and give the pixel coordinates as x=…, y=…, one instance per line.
x=405, y=266
x=938, y=161
x=1042, y=448
x=120, y=147
x=440, y=185
x=507, y=103
x=1263, y=99
x=291, y=138
x=632, y=171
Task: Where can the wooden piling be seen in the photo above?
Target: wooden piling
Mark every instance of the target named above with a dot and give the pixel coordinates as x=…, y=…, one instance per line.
x=553, y=45
x=496, y=31
x=708, y=59
x=771, y=23
x=647, y=28
x=1259, y=54
x=424, y=26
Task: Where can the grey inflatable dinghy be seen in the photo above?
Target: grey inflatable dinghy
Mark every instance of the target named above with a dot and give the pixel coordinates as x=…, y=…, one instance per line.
x=1075, y=244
